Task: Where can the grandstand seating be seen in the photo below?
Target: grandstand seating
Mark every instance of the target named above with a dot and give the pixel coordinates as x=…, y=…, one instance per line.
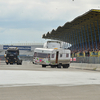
x=83, y=33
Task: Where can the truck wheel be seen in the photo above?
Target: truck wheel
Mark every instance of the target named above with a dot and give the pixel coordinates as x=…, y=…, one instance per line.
x=6, y=63
x=43, y=66
x=11, y=63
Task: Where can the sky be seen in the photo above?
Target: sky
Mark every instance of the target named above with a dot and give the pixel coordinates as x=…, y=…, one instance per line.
x=25, y=21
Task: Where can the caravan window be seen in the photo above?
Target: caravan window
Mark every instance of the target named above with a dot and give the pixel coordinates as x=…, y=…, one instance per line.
x=53, y=55
x=67, y=55
x=35, y=54
x=43, y=55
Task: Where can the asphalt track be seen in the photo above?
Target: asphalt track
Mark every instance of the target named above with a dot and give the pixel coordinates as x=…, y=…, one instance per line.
x=32, y=82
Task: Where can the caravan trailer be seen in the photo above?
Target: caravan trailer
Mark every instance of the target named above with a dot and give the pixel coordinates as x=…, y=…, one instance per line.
x=54, y=57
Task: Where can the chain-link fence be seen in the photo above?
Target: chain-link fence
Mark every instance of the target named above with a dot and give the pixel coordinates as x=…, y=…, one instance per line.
x=91, y=60
x=27, y=58
x=2, y=58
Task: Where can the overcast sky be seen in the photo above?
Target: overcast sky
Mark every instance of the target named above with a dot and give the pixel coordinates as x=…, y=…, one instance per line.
x=27, y=20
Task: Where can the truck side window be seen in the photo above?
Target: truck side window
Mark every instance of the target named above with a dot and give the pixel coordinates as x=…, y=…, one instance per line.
x=52, y=55
x=67, y=55
x=60, y=55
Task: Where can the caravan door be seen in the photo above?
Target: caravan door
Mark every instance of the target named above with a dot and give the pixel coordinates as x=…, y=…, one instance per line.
x=57, y=53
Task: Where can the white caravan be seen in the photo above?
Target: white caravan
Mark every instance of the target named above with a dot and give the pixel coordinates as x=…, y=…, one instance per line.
x=54, y=57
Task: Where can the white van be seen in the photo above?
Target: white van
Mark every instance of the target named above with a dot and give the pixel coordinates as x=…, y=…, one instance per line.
x=55, y=57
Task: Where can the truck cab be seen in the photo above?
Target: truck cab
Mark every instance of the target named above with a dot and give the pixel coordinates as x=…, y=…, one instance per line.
x=12, y=56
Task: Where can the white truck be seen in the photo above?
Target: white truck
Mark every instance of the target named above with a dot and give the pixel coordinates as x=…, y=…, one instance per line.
x=52, y=56
x=53, y=44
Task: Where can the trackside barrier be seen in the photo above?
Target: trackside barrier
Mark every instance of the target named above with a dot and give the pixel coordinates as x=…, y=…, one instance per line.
x=71, y=59
x=24, y=58
x=74, y=59
x=89, y=60
x=27, y=58
x=86, y=66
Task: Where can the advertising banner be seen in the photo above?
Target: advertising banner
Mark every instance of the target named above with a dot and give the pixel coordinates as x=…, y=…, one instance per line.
x=19, y=47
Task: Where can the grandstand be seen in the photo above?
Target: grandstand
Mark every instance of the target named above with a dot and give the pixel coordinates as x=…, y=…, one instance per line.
x=83, y=33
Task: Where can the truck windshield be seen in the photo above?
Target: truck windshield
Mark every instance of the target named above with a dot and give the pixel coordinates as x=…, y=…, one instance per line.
x=11, y=52
x=42, y=55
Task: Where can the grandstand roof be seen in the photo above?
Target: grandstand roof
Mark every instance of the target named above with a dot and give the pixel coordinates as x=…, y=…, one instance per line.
x=70, y=31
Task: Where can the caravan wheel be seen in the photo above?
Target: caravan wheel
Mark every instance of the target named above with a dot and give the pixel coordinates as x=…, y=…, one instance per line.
x=43, y=66
x=53, y=66
x=59, y=66
x=66, y=66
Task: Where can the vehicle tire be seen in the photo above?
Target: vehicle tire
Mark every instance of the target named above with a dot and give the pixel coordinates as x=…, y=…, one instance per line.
x=11, y=63
x=66, y=66
x=53, y=66
x=6, y=63
x=59, y=66
x=43, y=66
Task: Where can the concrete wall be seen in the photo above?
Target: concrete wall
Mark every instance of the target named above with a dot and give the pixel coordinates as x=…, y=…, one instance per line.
x=85, y=66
